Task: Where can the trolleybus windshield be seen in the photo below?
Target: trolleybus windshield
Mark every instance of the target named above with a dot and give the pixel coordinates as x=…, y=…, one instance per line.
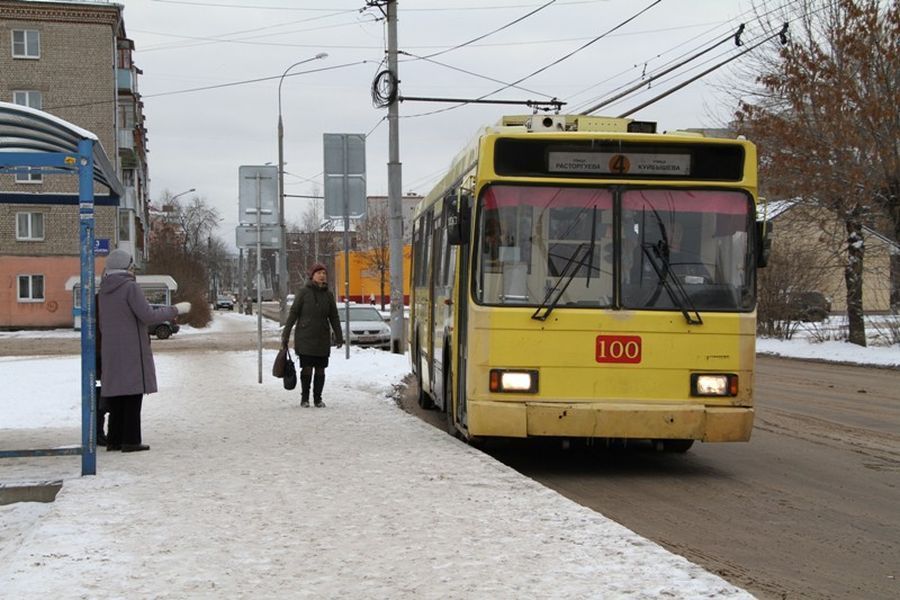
x=666, y=249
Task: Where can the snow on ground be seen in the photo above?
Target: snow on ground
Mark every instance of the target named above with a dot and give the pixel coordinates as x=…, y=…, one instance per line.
x=244, y=493
x=819, y=341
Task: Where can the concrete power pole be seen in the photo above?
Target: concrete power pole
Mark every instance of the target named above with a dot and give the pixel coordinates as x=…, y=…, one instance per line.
x=395, y=192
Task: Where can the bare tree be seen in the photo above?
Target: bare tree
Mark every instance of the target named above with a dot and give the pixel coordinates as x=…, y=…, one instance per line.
x=309, y=242
x=373, y=238
x=826, y=131
x=182, y=245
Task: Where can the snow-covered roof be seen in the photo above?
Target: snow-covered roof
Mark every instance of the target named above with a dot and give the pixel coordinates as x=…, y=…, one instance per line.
x=166, y=281
x=24, y=129
x=774, y=208
x=768, y=210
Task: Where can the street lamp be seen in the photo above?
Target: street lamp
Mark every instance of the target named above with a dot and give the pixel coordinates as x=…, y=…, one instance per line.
x=282, y=254
x=182, y=193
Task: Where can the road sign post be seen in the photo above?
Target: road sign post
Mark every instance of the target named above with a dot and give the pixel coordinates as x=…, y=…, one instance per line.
x=345, y=195
x=258, y=196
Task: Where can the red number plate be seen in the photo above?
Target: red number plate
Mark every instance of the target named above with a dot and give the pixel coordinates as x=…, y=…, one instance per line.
x=619, y=349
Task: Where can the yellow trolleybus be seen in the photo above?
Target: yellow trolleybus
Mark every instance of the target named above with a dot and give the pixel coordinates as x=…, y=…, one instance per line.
x=586, y=277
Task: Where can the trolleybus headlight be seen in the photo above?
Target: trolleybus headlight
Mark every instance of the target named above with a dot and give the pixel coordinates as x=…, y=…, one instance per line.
x=714, y=384
x=504, y=380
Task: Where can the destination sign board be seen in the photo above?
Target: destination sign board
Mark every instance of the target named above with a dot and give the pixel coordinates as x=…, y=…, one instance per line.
x=619, y=163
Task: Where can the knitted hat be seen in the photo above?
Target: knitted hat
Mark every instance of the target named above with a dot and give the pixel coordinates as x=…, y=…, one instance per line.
x=315, y=268
x=118, y=259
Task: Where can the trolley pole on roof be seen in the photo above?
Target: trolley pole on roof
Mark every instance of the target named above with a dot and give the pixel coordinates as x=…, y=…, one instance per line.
x=395, y=191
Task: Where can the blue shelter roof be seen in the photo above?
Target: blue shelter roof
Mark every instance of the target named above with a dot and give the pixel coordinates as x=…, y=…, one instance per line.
x=26, y=130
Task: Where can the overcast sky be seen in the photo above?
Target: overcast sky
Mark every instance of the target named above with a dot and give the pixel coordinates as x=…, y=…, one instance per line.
x=198, y=139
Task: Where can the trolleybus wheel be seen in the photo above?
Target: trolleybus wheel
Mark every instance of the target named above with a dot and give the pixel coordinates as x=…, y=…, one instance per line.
x=448, y=400
x=677, y=446
x=424, y=399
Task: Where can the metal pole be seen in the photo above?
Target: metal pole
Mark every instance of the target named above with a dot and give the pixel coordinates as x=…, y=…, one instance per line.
x=395, y=189
x=88, y=334
x=241, y=297
x=259, y=276
x=282, y=252
x=316, y=234
x=346, y=192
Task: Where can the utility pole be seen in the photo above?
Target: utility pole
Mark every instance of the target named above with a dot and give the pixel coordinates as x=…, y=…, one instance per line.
x=395, y=191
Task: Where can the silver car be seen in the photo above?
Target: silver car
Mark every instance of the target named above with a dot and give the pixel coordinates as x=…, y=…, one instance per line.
x=367, y=327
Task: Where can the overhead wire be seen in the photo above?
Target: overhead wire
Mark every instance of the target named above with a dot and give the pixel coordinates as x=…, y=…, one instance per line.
x=492, y=32
x=754, y=43
x=385, y=86
x=609, y=100
x=250, y=6
x=440, y=9
x=472, y=73
x=670, y=91
x=217, y=86
x=581, y=106
x=210, y=40
x=545, y=67
x=718, y=25
x=641, y=89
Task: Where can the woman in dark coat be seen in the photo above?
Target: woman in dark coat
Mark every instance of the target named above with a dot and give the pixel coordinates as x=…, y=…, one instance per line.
x=127, y=367
x=313, y=310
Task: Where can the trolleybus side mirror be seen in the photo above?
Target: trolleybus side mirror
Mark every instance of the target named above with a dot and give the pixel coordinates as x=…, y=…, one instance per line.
x=458, y=219
x=763, y=242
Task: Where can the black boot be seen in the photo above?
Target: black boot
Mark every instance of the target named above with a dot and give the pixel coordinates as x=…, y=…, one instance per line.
x=305, y=380
x=318, y=386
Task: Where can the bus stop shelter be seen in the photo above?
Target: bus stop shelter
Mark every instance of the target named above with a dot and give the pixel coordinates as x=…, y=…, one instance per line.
x=158, y=289
x=35, y=141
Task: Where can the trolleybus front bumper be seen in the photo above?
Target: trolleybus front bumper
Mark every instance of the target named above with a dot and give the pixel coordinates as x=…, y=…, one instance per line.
x=610, y=420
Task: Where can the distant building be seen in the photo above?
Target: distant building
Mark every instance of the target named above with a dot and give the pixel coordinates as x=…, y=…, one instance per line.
x=73, y=60
x=804, y=231
x=307, y=247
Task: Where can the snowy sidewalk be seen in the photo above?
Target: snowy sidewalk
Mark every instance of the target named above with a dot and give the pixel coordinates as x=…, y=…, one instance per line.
x=244, y=494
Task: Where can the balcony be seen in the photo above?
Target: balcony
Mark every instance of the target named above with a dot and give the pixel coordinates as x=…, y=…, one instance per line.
x=126, y=139
x=129, y=200
x=125, y=81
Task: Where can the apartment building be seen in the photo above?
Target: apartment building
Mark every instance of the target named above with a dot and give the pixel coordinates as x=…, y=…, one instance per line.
x=71, y=59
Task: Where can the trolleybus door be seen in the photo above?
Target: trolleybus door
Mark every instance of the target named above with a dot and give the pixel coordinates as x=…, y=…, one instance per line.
x=437, y=306
x=461, y=341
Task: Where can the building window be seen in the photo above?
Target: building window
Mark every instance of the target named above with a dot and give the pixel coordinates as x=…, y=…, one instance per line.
x=31, y=288
x=29, y=226
x=29, y=98
x=126, y=115
x=124, y=226
x=29, y=177
x=26, y=43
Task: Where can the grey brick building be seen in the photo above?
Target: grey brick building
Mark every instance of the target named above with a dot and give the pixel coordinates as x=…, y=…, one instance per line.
x=73, y=60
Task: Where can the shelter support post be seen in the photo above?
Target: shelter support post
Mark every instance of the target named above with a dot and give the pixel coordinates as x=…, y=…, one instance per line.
x=88, y=331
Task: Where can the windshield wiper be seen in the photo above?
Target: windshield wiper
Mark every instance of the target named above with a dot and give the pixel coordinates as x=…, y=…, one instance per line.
x=676, y=292
x=591, y=249
x=546, y=305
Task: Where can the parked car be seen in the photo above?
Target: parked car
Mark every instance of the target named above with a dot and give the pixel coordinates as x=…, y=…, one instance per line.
x=367, y=327
x=225, y=303
x=164, y=329
x=809, y=306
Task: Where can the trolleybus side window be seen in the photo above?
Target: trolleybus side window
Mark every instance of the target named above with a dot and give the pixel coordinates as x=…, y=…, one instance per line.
x=419, y=261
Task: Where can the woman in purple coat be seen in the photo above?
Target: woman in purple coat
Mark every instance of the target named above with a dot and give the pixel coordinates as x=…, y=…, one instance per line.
x=127, y=365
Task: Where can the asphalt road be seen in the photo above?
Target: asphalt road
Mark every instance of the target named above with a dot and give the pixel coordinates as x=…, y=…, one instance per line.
x=809, y=508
